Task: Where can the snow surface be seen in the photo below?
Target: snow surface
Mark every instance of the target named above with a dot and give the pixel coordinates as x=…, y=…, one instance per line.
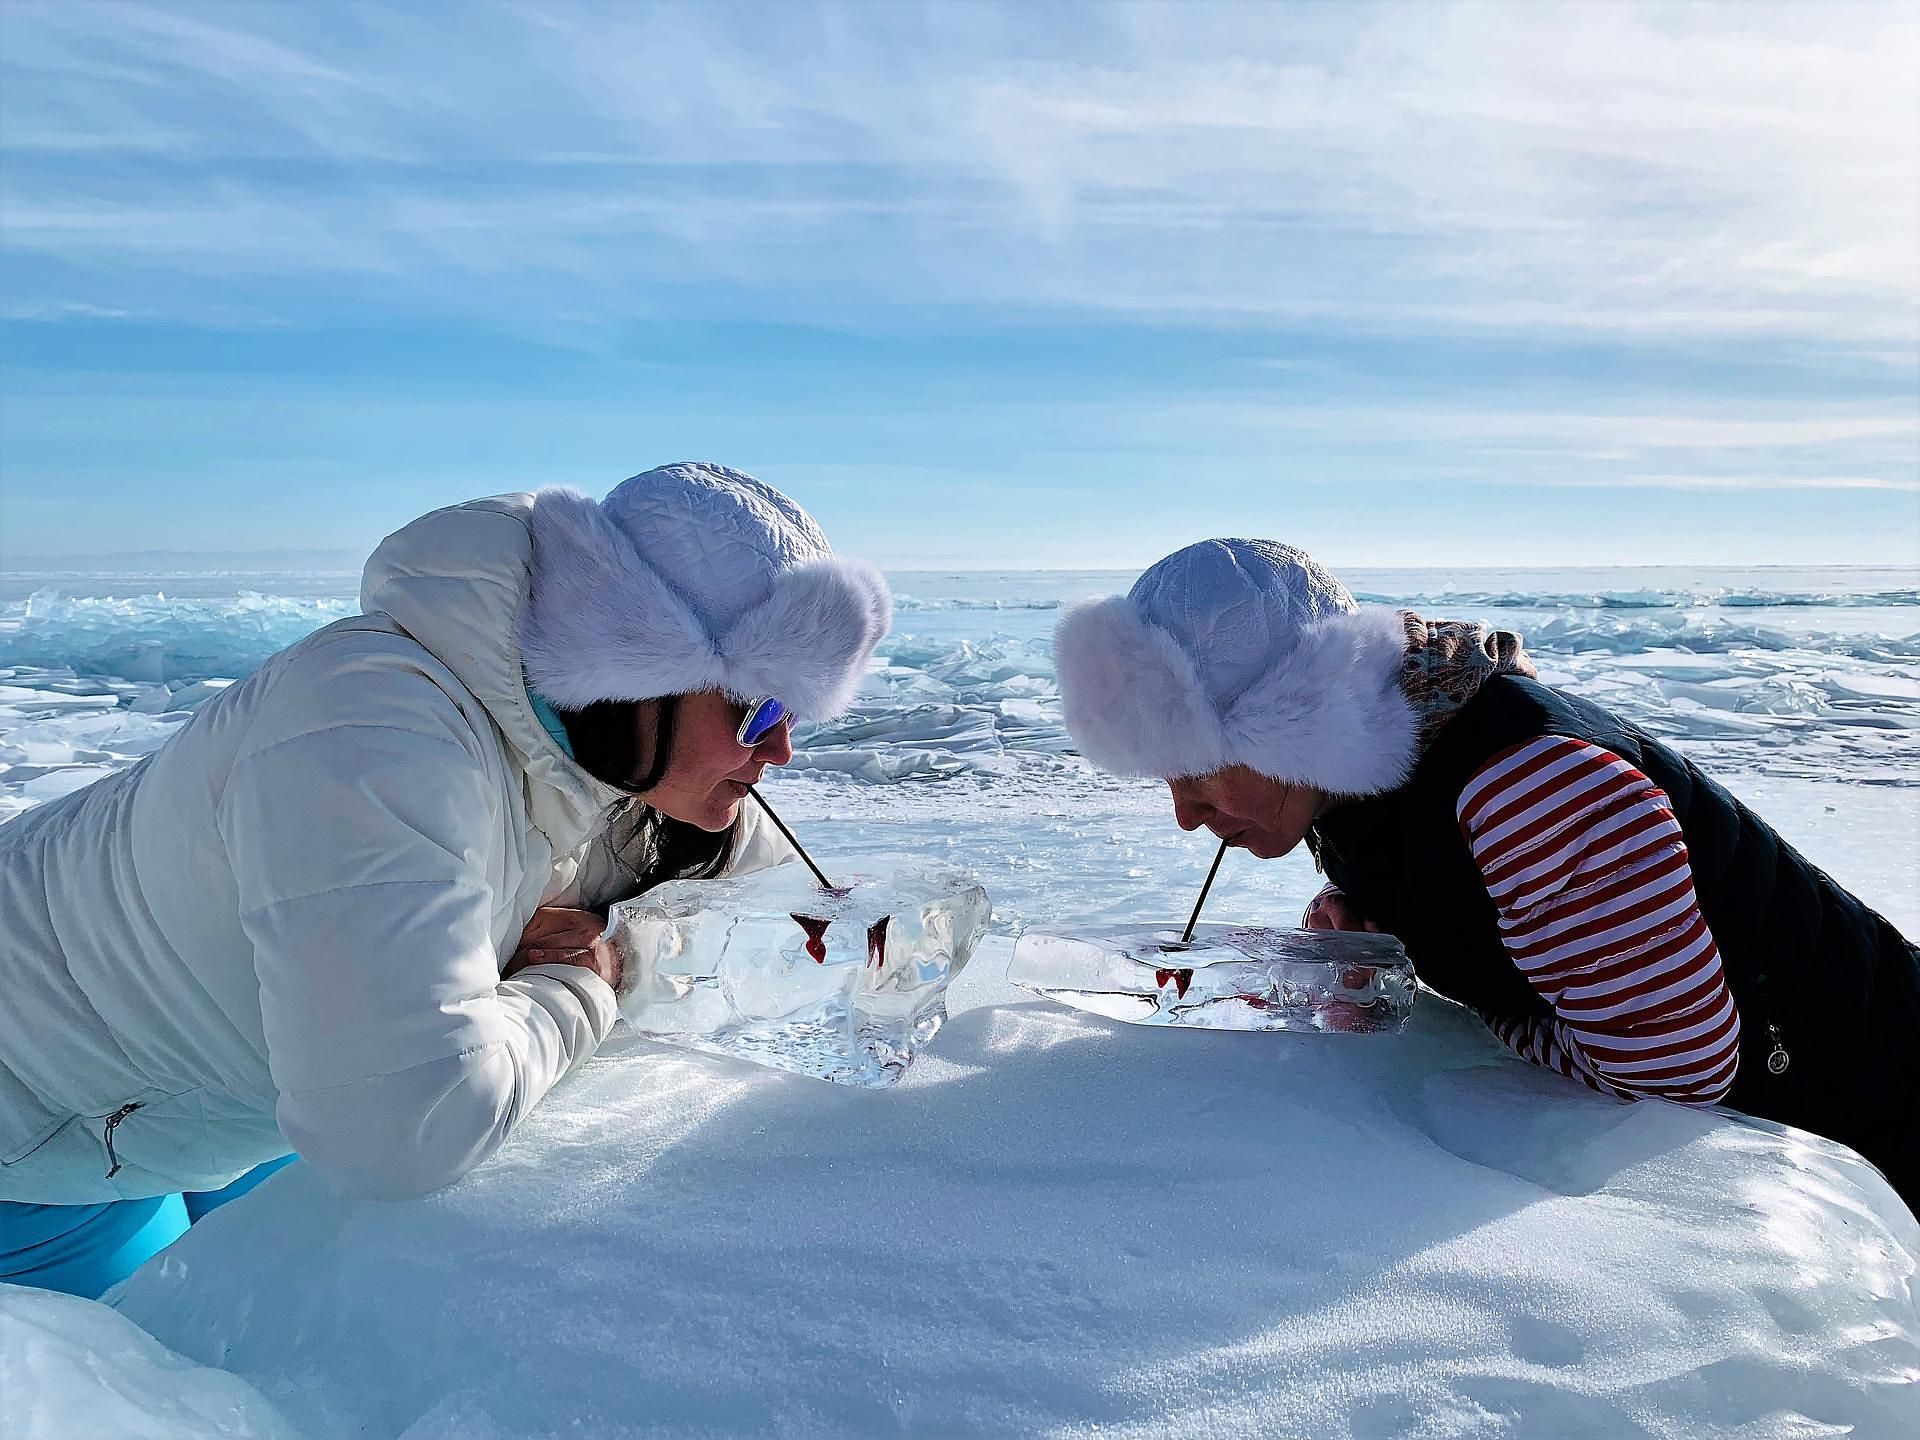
x=1057, y=1224
x=72, y=1368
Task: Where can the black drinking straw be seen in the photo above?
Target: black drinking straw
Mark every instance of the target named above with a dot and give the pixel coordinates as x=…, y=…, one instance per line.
x=781, y=826
x=1193, y=919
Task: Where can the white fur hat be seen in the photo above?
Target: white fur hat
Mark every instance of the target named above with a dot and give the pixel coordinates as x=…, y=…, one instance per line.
x=695, y=577
x=1239, y=652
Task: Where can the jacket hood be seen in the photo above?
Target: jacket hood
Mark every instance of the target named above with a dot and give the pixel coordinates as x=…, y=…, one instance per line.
x=458, y=581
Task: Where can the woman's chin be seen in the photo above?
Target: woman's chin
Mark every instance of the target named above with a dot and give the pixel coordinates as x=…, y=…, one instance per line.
x=722, y=810
x=1270, y=847
x=714, y=814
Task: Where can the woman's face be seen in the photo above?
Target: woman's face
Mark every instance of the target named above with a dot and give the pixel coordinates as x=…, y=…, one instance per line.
x=1257, y=813
x=710, y=770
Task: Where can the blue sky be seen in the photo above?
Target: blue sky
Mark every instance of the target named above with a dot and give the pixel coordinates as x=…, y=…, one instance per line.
x=983, y=287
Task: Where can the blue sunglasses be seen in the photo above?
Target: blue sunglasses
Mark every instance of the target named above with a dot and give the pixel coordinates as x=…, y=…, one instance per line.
x=762, y=716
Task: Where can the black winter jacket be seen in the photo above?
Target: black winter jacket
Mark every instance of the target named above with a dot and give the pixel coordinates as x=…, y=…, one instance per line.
x=1828, y=991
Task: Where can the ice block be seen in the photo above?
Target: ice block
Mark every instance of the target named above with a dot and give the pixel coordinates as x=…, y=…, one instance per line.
x=1227, y=977
x=847, y=985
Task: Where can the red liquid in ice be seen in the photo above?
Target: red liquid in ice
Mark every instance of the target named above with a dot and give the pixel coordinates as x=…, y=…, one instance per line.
x=1181, y=980
x=1345, y=1017
x=816, y=929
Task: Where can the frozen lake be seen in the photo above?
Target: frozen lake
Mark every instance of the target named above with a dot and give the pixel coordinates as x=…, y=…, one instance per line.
x=1055, y=1223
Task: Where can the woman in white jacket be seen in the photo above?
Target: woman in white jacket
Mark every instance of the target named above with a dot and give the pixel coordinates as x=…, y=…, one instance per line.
x=349, y=909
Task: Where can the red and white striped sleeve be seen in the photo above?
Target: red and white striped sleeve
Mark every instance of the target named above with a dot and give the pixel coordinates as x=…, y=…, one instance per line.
x=1588, y=870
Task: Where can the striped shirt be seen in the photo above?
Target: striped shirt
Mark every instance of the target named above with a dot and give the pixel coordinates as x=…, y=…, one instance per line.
x=1588, y=870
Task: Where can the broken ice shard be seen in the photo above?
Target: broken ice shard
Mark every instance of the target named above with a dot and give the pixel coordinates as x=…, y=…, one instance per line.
x=1226, y=978
x=845, y=984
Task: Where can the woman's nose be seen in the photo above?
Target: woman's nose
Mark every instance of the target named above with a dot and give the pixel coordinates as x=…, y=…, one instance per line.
x=1190, y=814
x=776, y=746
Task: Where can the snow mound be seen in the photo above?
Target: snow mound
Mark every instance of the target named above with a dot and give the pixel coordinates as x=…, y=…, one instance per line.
x=71, y=1367
x=1057, y=1224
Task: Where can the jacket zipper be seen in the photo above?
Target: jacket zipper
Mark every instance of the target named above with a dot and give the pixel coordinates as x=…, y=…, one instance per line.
x=113, y=1123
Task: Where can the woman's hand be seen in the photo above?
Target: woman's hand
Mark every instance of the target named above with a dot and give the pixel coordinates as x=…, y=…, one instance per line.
x=557, y=936
x=1332, y=910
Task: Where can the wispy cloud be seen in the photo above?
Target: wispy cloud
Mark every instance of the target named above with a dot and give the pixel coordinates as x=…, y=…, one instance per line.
x=1645, y=170
x=1731, y=429
x=1758, y=482
x=1337, y=272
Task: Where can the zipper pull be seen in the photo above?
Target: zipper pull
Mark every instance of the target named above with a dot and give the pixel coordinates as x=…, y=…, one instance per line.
x=1777, y=1058
x=113, y=1123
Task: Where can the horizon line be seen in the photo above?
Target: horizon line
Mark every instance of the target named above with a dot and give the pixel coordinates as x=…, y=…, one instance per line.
x=97, y=566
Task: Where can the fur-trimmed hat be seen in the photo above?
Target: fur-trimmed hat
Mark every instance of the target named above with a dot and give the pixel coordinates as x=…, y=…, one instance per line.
x=695, y=577
x=1239, y=652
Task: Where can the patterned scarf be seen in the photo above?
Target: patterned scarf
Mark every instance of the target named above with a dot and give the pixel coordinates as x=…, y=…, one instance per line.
x=1449, y=660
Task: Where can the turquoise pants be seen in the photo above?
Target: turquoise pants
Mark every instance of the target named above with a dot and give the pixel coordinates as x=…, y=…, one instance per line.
x=88, y=1249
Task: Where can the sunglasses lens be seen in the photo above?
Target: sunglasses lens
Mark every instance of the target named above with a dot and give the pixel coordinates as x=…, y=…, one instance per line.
x=762, y=718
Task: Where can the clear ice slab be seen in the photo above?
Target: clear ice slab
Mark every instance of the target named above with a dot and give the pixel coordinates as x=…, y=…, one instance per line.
x=1227, y=977
x=847, y=985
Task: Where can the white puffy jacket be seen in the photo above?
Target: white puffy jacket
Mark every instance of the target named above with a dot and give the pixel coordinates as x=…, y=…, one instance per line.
x=285, y=930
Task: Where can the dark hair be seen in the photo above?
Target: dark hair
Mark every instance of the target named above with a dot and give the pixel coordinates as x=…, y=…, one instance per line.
x=605, y=737
x=650, y=847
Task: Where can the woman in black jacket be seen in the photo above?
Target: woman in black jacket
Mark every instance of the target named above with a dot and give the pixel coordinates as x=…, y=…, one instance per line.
x=1607, y=908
